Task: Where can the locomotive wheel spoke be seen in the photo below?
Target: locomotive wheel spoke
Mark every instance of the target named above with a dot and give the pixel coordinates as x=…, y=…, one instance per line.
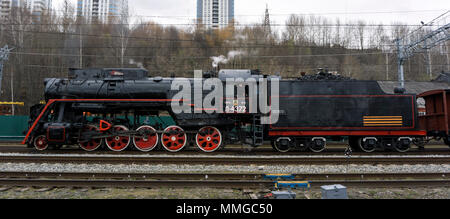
x=40, y=142
x=93, y=144
x=118, y=142
x=208, y=139
x=173, y=139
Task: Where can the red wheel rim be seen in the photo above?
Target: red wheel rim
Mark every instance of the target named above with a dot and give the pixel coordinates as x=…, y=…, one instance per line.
x=173, y=139
x=146, y=142
x=40, y=142
x=118, y=143
x=208, y=139
x=93, y=144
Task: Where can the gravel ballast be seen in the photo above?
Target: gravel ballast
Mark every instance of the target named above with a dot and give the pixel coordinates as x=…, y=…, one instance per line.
x=173, y=168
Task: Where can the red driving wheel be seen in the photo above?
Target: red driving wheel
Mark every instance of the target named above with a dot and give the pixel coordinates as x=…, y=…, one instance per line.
x=208, y=139
x=173, y=139
x=148, y=141
x=94, y=143
x=118, y=142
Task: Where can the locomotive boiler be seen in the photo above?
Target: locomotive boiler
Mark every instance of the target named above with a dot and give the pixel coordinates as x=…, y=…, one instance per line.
x=107, y=108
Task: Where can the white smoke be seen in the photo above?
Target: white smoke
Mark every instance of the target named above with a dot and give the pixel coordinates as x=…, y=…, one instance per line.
x=224, y=60
x=138, y=64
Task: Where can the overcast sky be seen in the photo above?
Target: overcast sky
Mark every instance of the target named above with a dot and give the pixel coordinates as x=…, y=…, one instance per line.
x=251, y=11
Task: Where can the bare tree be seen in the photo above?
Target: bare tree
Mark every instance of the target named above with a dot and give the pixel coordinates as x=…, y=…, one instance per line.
x=360, y=33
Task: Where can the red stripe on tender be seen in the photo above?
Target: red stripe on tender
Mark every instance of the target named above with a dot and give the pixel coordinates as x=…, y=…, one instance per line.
x=347, y=133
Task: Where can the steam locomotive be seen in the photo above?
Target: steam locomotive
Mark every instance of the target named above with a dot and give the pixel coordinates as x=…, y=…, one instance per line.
x=110, y=108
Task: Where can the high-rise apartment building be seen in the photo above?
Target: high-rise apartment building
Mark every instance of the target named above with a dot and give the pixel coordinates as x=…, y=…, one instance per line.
x=34, y=6
x=102, y=10
x=215, y=13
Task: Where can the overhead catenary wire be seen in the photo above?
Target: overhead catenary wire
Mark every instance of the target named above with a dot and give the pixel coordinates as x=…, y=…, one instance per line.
x=204, y=57
x=74, y=13
x=188, y=65
x=233, y=24
x=429, y=24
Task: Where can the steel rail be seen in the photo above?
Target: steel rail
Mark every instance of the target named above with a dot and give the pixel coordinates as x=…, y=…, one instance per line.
x=220, y=176
x=226, y=151
x=225, y=160
x=211, y=183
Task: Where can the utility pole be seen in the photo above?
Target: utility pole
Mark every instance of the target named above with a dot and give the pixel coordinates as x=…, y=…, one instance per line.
x=428, y=61
x=401, y=60
x=12, y=92
x=81, y=48
x=446, y=53
x=4, y=54
x=387, y=66
x=430, y=69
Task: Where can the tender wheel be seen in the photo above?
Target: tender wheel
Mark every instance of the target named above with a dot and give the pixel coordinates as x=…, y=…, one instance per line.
x=367, y=145
x=94, y=143
x=40, y=142
x=208, y=139
x=282, y=145
x=403, y=145
x=173, y=139
x=420, y=142
x=446, y=140
x=148, y=140
x=318, y=145
x=118, y=143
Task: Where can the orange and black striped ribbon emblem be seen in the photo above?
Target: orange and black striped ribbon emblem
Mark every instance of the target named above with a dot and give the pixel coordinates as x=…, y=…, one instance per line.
x=383, y=121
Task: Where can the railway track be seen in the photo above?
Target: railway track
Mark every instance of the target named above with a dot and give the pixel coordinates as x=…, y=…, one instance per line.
x=222, y=176
x=225, y=160
x=219, y=180
x=236, y=150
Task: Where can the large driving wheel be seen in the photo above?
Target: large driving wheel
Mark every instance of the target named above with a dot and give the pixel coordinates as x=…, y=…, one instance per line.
x=118, y=142
x=92, y=144
x=147, y=140
x=208, y=139
x=173, y=139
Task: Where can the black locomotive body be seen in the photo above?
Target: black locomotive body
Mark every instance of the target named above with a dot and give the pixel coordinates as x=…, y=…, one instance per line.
x=97, y=107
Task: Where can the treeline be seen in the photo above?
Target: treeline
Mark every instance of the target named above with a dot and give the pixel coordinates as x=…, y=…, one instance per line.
x=49, y=44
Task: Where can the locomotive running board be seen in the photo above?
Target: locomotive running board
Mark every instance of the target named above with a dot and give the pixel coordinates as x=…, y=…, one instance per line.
x=50, y=102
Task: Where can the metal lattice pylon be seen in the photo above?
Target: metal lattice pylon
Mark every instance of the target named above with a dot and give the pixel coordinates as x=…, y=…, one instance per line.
x=429, y=41
x=423, y=44
x=267, y=28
